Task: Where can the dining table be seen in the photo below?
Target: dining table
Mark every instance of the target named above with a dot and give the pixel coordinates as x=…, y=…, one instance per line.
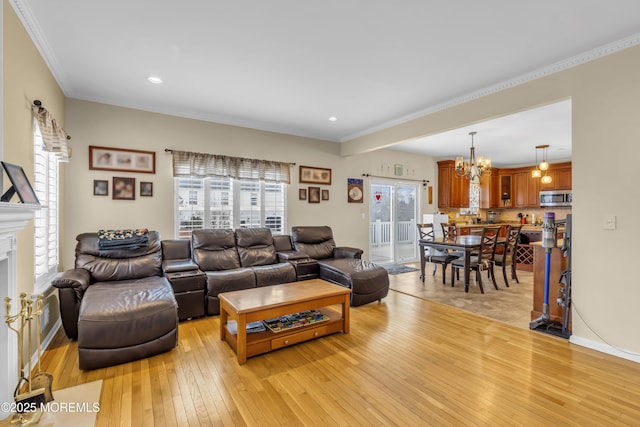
x=466, y=244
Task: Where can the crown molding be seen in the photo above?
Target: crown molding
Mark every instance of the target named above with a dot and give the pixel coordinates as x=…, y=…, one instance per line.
x=571, y=62
x=23, y=10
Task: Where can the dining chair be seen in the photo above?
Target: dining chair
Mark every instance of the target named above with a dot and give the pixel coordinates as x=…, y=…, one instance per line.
x=508, y=255
x=432, y=255
x=483, y=261
x=450, y=232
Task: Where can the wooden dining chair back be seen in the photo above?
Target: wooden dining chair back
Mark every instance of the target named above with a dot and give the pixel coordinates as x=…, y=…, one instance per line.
x=442, y=257
x=483, y=261
x=449, y=230
x=508, y=255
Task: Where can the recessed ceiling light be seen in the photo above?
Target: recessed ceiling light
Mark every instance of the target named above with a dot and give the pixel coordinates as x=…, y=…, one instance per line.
x=154, y=80
x=333, y=119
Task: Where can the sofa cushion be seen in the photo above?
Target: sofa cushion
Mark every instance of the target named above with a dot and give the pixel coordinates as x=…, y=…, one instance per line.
x=315, y=241
x=118, y=264
x=126, y=313
x=230, y=280
x=267, y=275
x=215, y=250
x=255, y=247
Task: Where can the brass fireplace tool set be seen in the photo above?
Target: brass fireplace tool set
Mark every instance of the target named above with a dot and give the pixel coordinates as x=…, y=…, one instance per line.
x=32, y=390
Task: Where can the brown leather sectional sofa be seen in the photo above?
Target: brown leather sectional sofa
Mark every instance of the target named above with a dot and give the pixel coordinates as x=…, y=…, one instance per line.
x=122, y=305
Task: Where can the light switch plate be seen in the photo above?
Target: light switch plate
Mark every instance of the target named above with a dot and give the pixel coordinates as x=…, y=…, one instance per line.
x=609, y=222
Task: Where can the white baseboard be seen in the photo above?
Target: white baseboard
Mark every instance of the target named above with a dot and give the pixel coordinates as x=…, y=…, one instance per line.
x=605, y=348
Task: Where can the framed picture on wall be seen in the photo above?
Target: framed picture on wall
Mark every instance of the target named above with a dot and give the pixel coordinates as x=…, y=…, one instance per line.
x=355, y=190
x=100, y=187
x=124, y=188
x=314, y=194
x=311, y=175
x=325, y=194
x=146, y=189
x=302, y=194
x=121, y=159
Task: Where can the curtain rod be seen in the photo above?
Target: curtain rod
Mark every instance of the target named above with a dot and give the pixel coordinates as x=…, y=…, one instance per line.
x=169, y=150
x=423, y=181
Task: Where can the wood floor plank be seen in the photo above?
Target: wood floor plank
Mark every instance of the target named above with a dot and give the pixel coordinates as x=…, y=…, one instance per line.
x=407, y=361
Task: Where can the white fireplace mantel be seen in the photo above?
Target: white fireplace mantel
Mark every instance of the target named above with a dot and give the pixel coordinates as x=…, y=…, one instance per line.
x=13, y=218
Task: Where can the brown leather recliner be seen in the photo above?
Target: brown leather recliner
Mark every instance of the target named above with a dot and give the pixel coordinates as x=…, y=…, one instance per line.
x=117, y=304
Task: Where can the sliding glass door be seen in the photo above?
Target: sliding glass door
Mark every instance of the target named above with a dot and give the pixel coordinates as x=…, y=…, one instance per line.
x=392, y=228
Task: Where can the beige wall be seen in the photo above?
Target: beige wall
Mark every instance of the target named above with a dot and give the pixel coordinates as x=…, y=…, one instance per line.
x=103, y=125
x=26, y=78
x=605, y=97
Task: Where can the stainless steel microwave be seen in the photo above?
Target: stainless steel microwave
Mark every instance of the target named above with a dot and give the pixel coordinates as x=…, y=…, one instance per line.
x=556, y=198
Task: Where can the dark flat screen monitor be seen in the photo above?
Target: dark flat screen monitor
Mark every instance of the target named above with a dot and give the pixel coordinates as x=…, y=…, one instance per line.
x=19, y=184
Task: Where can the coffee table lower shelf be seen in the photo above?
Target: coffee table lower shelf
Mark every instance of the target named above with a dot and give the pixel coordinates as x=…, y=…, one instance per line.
x=266, y=341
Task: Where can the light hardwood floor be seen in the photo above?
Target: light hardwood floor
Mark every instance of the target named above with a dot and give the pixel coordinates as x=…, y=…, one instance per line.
x=407, y=361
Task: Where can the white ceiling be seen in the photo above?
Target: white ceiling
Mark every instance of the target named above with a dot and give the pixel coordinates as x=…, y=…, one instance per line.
x=288, y=65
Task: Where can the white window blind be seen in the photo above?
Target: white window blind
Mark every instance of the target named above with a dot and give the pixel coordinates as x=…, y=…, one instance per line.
x=228, y=203
x=46, y=219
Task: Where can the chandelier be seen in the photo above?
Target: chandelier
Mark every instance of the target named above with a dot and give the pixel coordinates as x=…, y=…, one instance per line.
x=473, y=169
x=543, y=166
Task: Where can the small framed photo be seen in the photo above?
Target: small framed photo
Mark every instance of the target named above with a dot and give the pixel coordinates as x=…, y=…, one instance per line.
x=397, y=170
x=314, y=194
x=19, y=184
x=302, y=194
x=325, y=194
x=311, y=175
x=100, y=187
x=124, y=188
x=146, y=189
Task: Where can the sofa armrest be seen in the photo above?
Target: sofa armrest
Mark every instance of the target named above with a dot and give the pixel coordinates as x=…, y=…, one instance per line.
x=71, y=285
x=77, y=278
x=347, y=252
x=178, y=265
x=291, y=256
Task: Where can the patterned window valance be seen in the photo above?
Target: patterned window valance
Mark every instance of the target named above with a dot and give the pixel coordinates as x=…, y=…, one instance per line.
x=202, y=165
x=54, y=137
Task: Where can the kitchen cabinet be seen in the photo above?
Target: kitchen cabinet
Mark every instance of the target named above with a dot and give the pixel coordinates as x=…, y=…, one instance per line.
x=490, y=194
x=506, y=189
x=560, y=174
x=453, y=190
x=527, y=190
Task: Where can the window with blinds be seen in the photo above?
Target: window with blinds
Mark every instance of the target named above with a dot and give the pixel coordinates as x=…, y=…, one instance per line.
x=228, y=203
x=46, y=219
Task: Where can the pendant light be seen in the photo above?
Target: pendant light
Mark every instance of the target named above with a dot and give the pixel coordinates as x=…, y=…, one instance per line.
x=536, y=173
x=544, y=165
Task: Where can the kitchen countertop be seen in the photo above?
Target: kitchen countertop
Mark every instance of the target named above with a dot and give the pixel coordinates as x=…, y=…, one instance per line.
x=496, y=224
x=525, y=227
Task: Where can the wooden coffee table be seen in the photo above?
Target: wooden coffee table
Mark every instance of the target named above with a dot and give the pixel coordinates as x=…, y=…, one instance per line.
x=251, y=305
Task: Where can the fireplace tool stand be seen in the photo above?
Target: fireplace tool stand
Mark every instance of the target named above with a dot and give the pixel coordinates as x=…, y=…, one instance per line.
x=28, y=400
